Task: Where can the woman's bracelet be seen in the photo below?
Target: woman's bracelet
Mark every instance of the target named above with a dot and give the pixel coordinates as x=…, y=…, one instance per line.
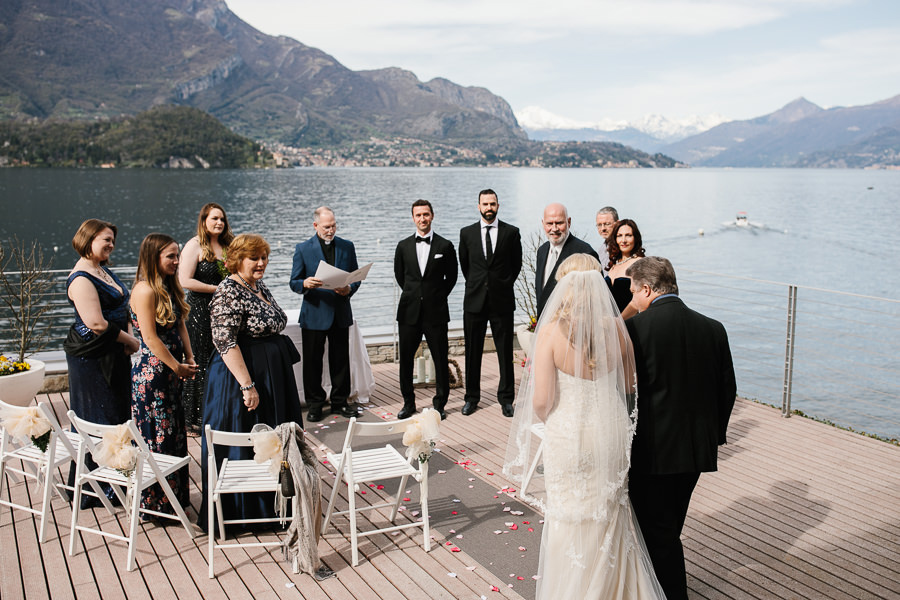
x=251, y=385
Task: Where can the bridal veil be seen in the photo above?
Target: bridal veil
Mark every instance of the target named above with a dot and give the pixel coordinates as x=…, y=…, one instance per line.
x=580, y=383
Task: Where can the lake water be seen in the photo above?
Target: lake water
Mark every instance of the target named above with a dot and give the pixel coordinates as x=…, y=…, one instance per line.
x=832, y=229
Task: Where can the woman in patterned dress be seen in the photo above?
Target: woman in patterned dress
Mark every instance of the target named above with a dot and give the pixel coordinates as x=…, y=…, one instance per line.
x=199, y=274
x=251, y=374
x=165, y=359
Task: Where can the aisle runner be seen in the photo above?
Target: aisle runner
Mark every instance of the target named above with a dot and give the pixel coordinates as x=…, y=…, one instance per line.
x=498, y=531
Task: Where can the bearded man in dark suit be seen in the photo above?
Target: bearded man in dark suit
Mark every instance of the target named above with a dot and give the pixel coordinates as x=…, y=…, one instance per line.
x=559, y=246
x=686, y=391
x=490, y=255
x=425, y=267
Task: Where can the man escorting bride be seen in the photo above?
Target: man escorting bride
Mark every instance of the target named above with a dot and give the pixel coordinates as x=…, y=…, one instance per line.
x=581, y=383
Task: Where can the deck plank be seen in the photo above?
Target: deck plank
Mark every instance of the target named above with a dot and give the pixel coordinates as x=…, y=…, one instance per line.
x=797, y=509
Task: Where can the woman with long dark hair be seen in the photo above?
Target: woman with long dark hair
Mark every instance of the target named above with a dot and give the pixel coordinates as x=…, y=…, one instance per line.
x=201, y=270
x=158, y=310
x=624, y=245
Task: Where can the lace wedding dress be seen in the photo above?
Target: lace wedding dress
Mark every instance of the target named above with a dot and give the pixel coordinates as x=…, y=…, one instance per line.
x=580, y=380
x=591, y=546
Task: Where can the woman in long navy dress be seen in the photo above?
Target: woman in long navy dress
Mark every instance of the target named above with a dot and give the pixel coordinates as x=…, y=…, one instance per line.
x=251, y=375
x=99, y=342
x=624, y=245
x=199, y=274
x=165, y=359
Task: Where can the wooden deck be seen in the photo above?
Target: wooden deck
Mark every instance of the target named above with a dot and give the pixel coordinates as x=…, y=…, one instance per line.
x=798, y=509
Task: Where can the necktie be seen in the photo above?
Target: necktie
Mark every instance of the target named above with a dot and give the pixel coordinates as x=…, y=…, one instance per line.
x=551, y=262
x=423, y=239
x=489, y=247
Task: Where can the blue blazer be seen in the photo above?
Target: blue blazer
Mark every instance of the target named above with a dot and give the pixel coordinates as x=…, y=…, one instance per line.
x=323, y=309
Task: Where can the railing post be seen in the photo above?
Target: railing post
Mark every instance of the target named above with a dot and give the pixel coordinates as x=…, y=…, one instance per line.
x=789, y=352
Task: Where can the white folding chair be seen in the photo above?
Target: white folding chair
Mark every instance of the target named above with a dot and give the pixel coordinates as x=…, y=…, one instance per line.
x=150, y=468
x=42, y=467
x=361, y=466
x=537, y=431
x=234, y=477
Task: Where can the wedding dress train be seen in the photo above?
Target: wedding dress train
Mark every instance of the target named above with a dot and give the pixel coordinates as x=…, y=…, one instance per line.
x=591, y=546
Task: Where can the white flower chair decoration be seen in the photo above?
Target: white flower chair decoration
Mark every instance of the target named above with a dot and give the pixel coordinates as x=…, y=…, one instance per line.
x=357, y=467
x=42, y=467
x=235, y=477
x=149, y=468
x=537, y=431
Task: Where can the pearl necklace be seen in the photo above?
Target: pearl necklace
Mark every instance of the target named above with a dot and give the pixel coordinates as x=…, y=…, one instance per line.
x=250, y=287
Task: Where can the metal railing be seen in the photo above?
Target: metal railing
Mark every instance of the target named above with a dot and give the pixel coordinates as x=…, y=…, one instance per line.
x=827, y=354
x=831, y=355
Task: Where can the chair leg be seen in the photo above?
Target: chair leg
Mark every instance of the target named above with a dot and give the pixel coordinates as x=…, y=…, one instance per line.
x=133, y=525
x=532, y=468
x=354, y=538
x=76, y=508
x=210, y=523
x=49, y=486
x=400, y=489
x=338, y=481
x=426, y=528
x=221, y=512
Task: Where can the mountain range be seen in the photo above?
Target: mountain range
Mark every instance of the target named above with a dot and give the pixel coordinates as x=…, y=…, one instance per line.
x=94, y=59
x=650, y=133
x=800, y=134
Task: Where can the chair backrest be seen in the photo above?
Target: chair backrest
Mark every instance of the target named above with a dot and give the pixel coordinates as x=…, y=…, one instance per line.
x=92, y=433
x=372, y=429
x=226, y=438
x=45, y=410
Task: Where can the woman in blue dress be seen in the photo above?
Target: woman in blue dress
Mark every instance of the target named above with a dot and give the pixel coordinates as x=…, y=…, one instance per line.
x=99, y=342
x=199, y=274
x=158, y=309
x=251, y=374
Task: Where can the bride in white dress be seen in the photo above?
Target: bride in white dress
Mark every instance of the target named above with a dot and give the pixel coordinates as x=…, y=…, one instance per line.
x=580, y=382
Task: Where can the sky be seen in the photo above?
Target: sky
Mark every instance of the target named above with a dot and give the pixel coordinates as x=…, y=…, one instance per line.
x=596, y=60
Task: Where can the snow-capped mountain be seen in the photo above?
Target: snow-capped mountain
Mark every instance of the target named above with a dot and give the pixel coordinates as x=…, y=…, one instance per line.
x=648, y=133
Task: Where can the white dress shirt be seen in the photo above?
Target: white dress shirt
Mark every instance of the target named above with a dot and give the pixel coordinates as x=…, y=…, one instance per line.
x=493, y=230
x=422, y=250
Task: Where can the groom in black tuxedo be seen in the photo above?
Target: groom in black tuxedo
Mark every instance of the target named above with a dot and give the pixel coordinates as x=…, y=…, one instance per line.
x=686, y=391
x=559, y=246
x=425, y=267
x=490, y=255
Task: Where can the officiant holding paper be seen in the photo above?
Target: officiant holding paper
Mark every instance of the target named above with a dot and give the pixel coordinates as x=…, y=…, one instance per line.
x=325, y=315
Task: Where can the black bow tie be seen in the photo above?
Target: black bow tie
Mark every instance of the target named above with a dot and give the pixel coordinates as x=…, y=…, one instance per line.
x=427, y=240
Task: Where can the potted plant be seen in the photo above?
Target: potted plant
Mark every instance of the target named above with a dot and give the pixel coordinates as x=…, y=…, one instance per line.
x=525, y=291
x=24, y=283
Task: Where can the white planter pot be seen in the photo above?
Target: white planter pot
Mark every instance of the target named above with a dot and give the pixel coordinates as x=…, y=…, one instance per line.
x=526, y=339
x=20, y=388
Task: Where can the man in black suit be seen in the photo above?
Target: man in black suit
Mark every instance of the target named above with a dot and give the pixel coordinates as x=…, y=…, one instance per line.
x=490, y=255
x=560, y=245
x=425, y=267
x=686, y=391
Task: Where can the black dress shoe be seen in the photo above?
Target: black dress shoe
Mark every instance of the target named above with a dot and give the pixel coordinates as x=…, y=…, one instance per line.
x=406, y=412
x=349, y=412
x=441, y=412
x=469, y=407
x=314, y=415
x=507, y=410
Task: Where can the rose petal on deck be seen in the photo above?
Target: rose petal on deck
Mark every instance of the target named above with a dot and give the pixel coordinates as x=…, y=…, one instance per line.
x=454, y=549
x=452, y=574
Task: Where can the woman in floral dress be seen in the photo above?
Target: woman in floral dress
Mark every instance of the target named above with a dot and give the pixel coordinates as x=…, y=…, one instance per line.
x=165, y=359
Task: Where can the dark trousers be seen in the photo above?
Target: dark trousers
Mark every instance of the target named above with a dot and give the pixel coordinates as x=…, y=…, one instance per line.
x=436, y=336
x=474, y=328
x=660, y=504
x=338, y=366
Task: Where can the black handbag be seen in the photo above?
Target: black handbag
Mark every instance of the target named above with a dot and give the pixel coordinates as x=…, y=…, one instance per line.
x=286, y=480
